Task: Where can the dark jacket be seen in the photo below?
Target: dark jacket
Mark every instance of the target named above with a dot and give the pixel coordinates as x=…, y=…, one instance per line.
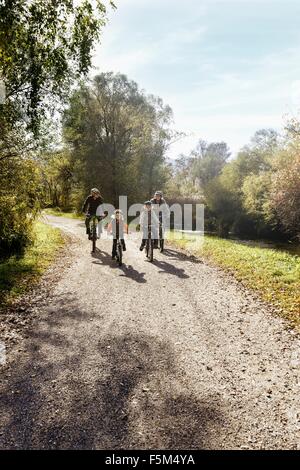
x=161, y=209
x=91, y=205
x=160, y=202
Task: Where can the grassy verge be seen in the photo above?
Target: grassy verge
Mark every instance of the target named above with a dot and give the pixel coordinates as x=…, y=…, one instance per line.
x=17, y=274
x=59, y=213
x=274, y=273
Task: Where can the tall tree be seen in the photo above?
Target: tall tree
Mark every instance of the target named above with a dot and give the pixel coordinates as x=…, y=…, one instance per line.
x=209, y=160
x=118, y=137
x=43, y=46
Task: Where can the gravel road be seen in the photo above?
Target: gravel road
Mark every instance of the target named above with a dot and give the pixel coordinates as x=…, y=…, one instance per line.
x=169, y=355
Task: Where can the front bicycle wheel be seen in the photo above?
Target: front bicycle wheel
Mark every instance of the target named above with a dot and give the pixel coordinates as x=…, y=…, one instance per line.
x=120, y=254
x=147, y=248
x=151, y=249
x=94, y=238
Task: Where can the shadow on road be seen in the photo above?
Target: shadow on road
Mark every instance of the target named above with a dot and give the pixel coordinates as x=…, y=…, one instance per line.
x=169, y=268
x=179, y=256
x=110, y=392
x=129, y=271
x=104, y=258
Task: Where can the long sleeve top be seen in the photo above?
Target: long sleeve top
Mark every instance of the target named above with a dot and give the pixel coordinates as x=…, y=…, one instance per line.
x=91, y=204
x=161, y=209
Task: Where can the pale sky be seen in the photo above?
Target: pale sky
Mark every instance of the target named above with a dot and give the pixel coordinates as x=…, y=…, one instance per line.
x=226, y=68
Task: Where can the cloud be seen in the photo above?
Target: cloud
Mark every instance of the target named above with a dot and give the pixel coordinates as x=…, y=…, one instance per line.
x=187, y=35
x=168, y=48
x=126, y=61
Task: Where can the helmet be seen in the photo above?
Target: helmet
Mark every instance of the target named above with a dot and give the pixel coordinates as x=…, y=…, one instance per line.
x=95, y=190
x=147, y=203
x=158, y=193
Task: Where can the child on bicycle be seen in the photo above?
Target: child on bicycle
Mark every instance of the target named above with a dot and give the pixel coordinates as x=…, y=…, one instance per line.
x=117, y=228
x=148, y=220
x=162, y=211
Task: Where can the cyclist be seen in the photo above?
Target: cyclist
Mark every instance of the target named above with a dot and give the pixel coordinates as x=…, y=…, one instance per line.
x=161, y=210
x=148, y=218
x=117, y=228
x=90, y=206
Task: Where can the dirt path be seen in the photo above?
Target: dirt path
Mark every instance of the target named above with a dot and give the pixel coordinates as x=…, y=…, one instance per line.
x=170, y=355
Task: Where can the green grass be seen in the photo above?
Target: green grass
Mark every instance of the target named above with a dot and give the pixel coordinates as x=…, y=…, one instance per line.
x=59, y=213
x=274, y=273
x=17, y=274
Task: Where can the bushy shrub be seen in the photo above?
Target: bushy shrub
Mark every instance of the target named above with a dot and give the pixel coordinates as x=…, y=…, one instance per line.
x=19, y=204
x=285, y=195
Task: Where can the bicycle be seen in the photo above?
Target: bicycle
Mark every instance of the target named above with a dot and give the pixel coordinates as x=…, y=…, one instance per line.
x=161, y=238
x=149, y=248
x=119, y=254
x=94, y=220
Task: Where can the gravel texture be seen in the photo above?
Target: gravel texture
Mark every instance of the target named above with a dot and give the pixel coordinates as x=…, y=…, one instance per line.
x=169, y=355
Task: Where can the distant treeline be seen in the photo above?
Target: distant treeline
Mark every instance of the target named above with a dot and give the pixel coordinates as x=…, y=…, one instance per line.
x=254, y=195
x=116, y=139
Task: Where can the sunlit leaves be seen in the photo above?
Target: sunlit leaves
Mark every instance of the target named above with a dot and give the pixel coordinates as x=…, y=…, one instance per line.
x=44, y=45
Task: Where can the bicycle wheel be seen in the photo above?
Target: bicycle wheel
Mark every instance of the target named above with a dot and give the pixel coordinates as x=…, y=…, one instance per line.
x=94, y=238
x=151, y=249
x=120, y=254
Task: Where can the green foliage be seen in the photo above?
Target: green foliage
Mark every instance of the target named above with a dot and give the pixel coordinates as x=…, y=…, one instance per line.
x=58, y=179
x=43, y=46
x=57, y=212
x=223, y=203
x=255, y=195
x=181, y=182
x=285, y=194
x=192, y=173
x=256, y=201
x=118, y=137
x=17, y=274
x=208, y=161
x=20, y=195
x=240, y=196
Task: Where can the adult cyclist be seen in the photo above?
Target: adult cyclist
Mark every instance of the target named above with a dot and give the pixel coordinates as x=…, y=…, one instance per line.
x=162, y=211
x=90, y=206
